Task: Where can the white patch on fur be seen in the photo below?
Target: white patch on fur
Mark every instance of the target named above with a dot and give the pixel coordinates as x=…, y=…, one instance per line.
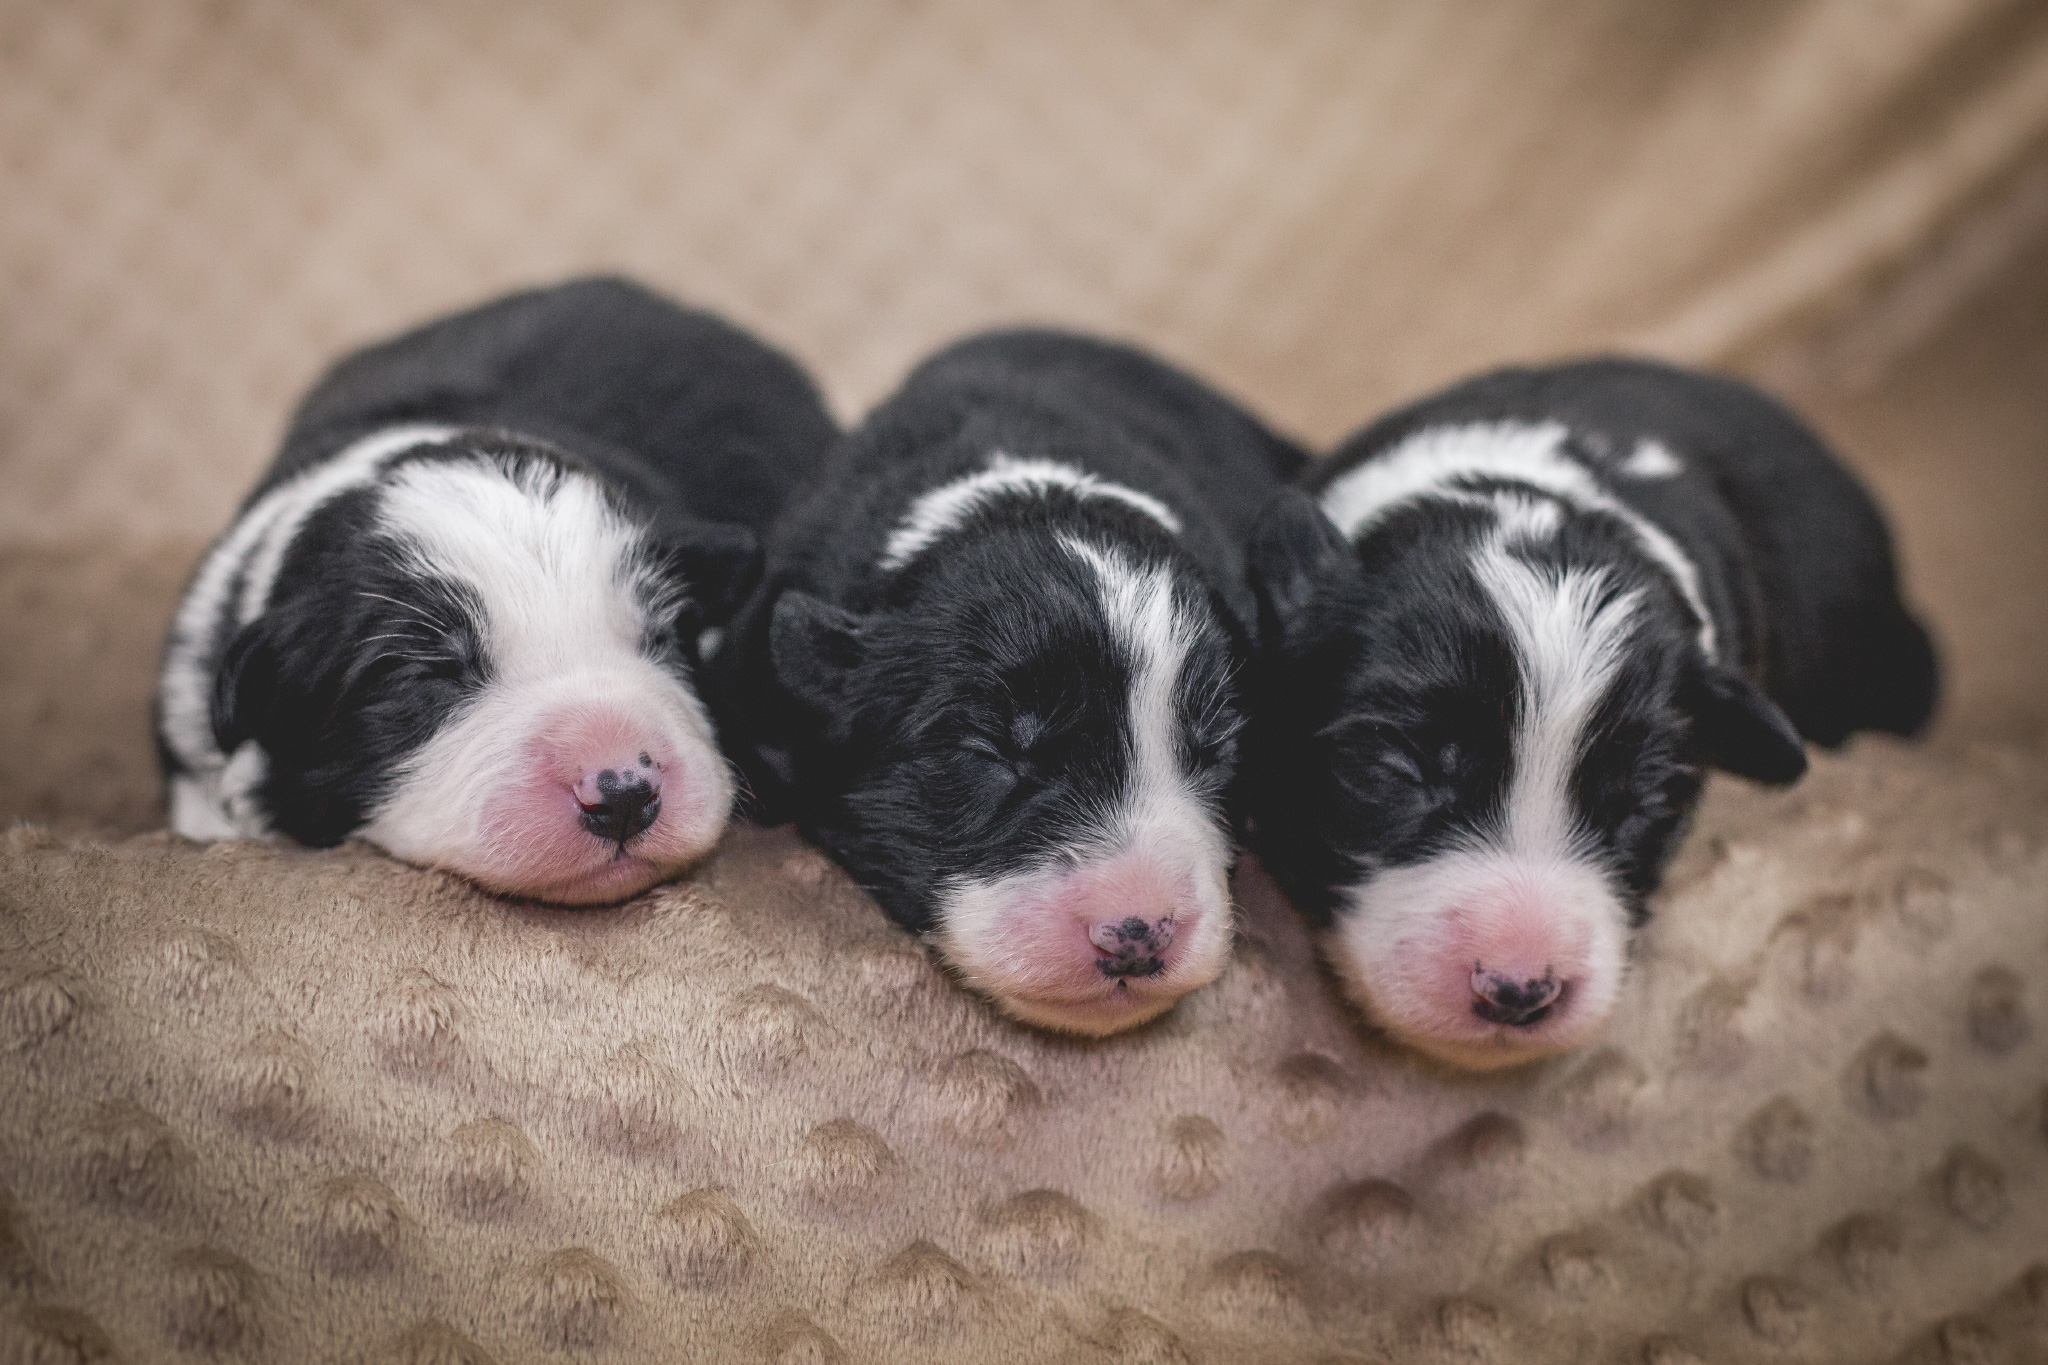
x=1159, y=816
x=241, y=779
x=1434, y=462
x=1156, y=635
x=1522, y=517
x=195, y=814
x=203, y=807
x=565, y=596
x=944, y=509
x=1652, y=460
x=1571, y=632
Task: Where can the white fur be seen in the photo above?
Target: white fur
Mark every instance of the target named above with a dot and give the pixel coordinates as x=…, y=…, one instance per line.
x=1571, y=632
x=565, y=599
x=1525, y=517
x=1156, y=635
x=1159, y=816
x=1397, y=925
x=944, y=509
x=211, y=802
x=1651, y=460
x=1433, y=462
x=196, y=814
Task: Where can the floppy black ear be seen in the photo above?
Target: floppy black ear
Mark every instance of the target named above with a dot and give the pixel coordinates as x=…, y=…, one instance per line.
x=243, y=686
x=1295, y=549
x=721, y=563
x=814, y=645
x=1736, y=727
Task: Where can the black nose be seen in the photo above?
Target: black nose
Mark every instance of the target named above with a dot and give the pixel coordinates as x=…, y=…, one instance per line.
x=625, y=806
x=1131, y=946
x=1519, y=1004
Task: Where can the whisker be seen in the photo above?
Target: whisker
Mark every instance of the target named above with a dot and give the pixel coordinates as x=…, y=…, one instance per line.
x=415, y=610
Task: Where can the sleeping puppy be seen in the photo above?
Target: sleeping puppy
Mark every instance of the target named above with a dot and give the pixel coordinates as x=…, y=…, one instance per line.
x=459, y=617
x=998, y=647
x=1519, y=619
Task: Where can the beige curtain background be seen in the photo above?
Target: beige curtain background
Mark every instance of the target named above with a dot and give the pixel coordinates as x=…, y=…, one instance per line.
x=1326, y=205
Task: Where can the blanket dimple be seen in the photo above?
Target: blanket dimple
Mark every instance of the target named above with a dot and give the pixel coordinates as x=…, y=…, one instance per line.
x=272, y=1104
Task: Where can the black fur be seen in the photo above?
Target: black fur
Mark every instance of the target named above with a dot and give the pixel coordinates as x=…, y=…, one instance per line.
x=965, y=715
x=1386, y=691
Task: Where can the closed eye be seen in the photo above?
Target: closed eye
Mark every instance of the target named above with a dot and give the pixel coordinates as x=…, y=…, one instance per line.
x=1401, y=761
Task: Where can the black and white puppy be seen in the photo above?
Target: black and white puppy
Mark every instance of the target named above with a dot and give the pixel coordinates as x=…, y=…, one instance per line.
x=1516, y=623
x=459, y=617
x=998, y=645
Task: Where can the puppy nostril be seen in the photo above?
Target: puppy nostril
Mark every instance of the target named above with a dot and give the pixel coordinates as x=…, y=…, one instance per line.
x=1131, y=946
x=1517, y=1003
x=623, y=809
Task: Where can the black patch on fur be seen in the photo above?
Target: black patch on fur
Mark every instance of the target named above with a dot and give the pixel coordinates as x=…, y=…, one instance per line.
x=358, y=661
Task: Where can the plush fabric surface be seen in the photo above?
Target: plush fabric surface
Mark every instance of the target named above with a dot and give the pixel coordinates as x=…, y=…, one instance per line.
x=264, y=1104
x=293, y=1104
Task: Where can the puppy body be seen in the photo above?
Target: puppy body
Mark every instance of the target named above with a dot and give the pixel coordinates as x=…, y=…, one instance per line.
x=1519, y=619
x=993, y=660
x=459, y=615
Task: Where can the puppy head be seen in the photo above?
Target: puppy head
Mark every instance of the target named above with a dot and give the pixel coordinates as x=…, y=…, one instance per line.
x=1023, y=755
x=481, y=659
x=1480, y=735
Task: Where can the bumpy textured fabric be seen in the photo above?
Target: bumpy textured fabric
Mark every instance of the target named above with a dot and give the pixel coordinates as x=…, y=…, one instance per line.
x=270, y=1105
x=286, y=1106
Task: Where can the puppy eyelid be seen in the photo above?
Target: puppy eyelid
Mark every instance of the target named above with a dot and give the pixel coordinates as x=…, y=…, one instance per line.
x=1357, y=722
x=1404, y=761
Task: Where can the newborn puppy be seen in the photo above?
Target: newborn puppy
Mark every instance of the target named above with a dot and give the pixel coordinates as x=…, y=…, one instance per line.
x=1529, y=612
x=459, y=617
x=998, y=645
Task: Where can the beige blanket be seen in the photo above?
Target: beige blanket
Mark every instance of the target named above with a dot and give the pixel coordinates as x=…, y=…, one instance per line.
x=269, y=1105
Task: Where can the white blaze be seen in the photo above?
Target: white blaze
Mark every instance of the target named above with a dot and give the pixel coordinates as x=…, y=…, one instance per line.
x=944, y=509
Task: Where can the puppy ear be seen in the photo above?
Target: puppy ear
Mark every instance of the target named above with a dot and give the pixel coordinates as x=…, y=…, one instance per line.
x=813, y=646
x=1737, y=728
x=243, y=686
x=1295, y=550
x=720, y=562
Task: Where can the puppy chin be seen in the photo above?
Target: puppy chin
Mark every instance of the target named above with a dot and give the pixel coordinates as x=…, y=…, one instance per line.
x=569, y=866
x=1470, y=1046
x=620, y=878
x=502, y=809
x=1025, y=940
x=1414, y=940
x=1119, y=1007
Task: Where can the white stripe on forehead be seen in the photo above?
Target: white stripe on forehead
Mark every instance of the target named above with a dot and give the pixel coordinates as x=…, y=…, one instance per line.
x=559, y=573
x=1433, y=463
x=1570, y=631
x=1149, y=623
x=944, y=509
